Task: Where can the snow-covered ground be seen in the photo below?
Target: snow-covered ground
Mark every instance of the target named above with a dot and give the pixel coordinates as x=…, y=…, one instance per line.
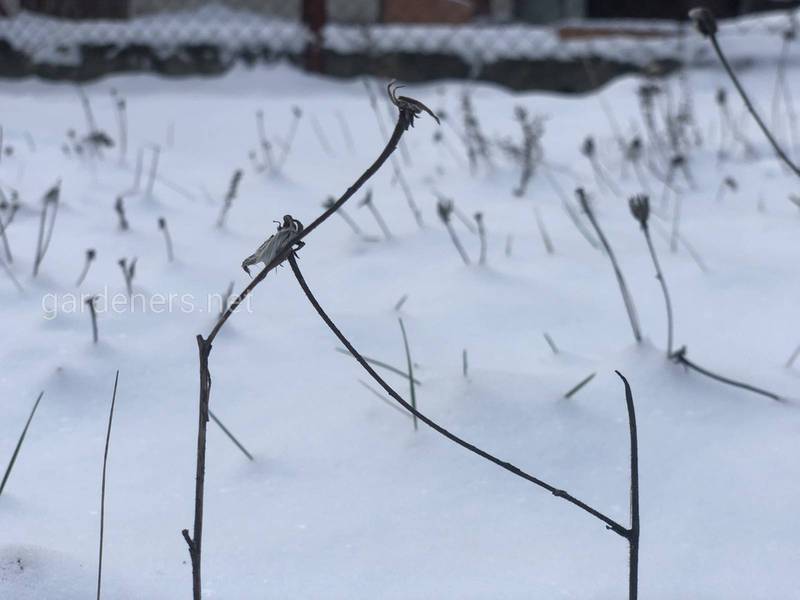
x=344, y=499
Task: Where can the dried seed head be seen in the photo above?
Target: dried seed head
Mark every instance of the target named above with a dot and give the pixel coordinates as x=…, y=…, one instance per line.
x=162, y=223
x=721, y=97
x=587, y=148
x=731, y=183
x=634, y=149
x=52, y=194
x=640, y=209
x=677, y=161
x=704, y=21
x=409, y=108
x=297, y=112
x=91, y=254
x=479, y=217
x=329, y=202
x=444, y=208
x=276, y=244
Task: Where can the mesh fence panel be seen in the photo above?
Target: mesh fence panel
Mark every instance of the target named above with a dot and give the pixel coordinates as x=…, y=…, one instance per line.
x=414, y=39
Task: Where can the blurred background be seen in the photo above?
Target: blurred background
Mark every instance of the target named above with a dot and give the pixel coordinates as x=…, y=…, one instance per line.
x=560, y=45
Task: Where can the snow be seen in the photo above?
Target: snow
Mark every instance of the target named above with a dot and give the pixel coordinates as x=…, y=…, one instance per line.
x=344, y=499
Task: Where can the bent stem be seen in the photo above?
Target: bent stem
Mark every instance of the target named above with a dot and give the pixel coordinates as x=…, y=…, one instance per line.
x=609, y=522
x=679, y=356
x=405, y=119
x=746, y=99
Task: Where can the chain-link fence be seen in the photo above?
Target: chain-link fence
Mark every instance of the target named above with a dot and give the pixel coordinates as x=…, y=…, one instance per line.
x=550, y=44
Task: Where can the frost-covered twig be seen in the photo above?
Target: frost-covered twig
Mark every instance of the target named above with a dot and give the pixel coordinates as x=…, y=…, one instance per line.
x=623, y=287
x=444, y=209
x=367, y=201
x=230, y=195
x=640, y=208
x=411, y=385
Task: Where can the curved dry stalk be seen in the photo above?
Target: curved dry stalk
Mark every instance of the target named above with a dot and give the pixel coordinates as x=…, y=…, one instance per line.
x=407, y=112
x=103, y=486
x=610, y=523
x=411, y=386
x=630, y=534
x=708, y=27
x=640, y=208
x=623, y=286
x=679, y=356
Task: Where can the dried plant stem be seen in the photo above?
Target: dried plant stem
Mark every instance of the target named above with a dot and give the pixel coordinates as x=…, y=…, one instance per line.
x=411, y=386
x=321, y=137
x=122, y=125
x=93, y=313
x=745, y=98
x=464, y=363
x=482, y=237
x=632, y=534
x=46, y=225
x=382, y=365
x=162, y=225
x=579, y=386
x=623, y=287
x=664, y=290
x=19, y=444
x=194, y=542
x=10, y=275
x=679, y=356
x=793, y=358
x=231, y=437
x=103, y=486
x=457, y=242
x=383, y=398
x=548, y=243
x=90, y=254
x=6, y=245
x=153, y=170
x=550, y=343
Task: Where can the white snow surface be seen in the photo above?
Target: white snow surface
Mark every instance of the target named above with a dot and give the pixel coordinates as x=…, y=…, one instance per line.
x=344, y=499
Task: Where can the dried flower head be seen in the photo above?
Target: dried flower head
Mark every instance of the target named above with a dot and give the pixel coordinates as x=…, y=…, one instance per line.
x=275, y=244
x=162, y=223
x=444, y=208
x=731, y=183
x=640, y=209
x=721, y=96
x=588, y=148
x=583, y=199
x=91, y=254
x=704, y=21
x=409, y=107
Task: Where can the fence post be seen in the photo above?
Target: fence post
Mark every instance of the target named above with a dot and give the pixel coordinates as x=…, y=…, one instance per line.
x=314, y=17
